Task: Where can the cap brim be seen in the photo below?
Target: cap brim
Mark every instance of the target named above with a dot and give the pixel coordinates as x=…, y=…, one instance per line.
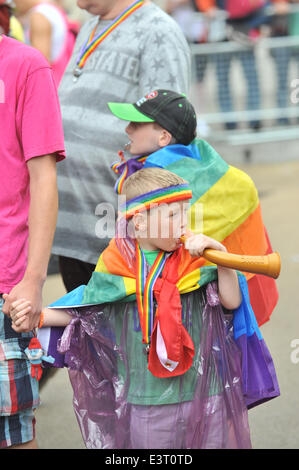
x=128, y=112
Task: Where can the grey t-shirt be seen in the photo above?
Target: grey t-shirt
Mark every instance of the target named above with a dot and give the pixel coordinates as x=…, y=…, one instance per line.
x=145, y=52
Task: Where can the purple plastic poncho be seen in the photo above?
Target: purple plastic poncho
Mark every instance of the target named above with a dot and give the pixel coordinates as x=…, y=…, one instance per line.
x=205, y=408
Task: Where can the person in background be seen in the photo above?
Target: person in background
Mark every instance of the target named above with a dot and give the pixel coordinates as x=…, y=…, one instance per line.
x=284, y=23
x=9, y=24
x=48, y=29
x=195, y=29
x=244, y=19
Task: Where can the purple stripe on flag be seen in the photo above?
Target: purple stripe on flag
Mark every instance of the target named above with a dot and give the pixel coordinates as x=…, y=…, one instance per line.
x=258, y=373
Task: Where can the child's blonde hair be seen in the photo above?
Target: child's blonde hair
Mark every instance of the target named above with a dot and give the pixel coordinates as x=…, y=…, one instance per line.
x=149, y=179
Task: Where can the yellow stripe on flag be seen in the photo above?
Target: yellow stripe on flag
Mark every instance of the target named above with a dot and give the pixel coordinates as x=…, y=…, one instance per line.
x=101, y=267
x=189, y=282
x=228, y=203
x=130, y=285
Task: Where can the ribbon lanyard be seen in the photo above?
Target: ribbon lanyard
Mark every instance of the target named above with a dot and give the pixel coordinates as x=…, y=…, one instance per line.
x=93, y=42
x=122, y=168
x=144, y=290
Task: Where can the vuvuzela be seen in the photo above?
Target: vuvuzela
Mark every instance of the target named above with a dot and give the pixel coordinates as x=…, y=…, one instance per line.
x=269, y=265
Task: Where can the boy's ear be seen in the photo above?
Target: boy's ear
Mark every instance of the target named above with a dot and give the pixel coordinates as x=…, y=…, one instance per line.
x=140, y=223
x=165, y=138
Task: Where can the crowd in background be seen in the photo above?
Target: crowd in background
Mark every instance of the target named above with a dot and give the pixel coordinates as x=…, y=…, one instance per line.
x=243, y=23
x=206, y=21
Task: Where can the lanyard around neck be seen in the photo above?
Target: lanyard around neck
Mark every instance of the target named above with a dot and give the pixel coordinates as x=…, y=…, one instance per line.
x=145, y=290
x=94, y=41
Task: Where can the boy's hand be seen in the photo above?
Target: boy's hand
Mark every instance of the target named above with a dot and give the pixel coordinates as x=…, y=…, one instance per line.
x=196, y=244
x=18, y=313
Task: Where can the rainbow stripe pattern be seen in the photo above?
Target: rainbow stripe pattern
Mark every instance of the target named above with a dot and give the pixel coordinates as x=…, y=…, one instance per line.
x=124, y=170
x=144, y=290
x=93, y=42
x=156, y=197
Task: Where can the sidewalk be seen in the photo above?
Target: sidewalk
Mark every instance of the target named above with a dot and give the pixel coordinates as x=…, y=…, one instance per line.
x=274, y=425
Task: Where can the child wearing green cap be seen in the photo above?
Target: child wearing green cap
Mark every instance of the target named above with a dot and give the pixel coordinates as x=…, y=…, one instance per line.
x=168, y=117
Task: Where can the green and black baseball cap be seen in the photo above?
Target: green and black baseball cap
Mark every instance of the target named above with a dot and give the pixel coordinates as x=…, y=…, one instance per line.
x=169, y=109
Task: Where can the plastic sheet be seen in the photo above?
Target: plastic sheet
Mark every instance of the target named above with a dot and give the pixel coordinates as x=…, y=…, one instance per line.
x=119, y=404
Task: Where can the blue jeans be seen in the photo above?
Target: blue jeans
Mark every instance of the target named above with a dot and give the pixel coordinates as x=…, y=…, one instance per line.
x=282, y=57
x=223, y=66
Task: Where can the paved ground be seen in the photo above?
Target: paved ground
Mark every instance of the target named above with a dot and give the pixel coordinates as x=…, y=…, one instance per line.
x=274, y=425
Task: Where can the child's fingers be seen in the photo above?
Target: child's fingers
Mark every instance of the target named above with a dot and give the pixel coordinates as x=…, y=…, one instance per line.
x=195, y=246
x=190, y=242
x=16, y=304
x=23, y=327
x=195, y=253
x=20, y=311
x=20, y=307
x=20, y=320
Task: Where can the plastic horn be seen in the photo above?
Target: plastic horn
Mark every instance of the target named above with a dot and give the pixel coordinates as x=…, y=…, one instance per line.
x=269, y=265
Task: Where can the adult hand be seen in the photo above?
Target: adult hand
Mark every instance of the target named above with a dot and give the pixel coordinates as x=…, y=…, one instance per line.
x=31, y=290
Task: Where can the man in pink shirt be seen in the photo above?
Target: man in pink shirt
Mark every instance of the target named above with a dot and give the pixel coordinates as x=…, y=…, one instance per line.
x=31, y=142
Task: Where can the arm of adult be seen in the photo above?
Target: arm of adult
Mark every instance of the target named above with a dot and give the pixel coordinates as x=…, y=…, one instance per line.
x=42, y=222
x=41, y=34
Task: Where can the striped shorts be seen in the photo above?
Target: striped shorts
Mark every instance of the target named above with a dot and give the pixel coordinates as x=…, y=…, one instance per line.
x=19, y=393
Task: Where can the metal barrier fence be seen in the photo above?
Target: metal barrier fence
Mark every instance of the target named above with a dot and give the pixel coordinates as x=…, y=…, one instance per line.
x=247, y=92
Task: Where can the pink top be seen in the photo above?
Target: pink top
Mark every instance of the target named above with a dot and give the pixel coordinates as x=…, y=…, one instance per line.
x=30, y=126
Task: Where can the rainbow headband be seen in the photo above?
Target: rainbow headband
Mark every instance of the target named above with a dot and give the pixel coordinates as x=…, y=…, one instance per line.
x=155, y=198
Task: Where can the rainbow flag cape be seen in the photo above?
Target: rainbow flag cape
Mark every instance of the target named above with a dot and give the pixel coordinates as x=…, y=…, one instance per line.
x=230, y=208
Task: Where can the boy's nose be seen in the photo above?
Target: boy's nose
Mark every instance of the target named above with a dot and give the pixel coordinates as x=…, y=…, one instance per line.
x=127, y=129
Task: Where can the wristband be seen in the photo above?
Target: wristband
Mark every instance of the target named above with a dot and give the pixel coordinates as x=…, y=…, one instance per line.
x=41, y=321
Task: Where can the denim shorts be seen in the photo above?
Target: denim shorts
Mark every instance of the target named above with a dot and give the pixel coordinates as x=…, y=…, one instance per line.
x=19, y=394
